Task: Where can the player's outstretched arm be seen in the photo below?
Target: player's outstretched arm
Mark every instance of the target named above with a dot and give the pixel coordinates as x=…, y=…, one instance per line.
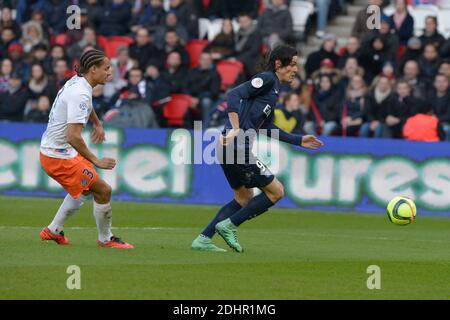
x=76, y=141
x=306, y=141
x=98, y=134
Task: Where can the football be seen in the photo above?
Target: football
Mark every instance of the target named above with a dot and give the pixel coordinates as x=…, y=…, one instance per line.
x=401, y=211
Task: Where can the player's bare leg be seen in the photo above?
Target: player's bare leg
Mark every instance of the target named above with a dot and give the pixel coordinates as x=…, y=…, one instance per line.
x=203, y=242
x=103, y=216
x=227, y=229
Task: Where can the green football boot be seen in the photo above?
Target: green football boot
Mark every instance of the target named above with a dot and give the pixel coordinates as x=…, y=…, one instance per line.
x=227, y=231
x=202, y=243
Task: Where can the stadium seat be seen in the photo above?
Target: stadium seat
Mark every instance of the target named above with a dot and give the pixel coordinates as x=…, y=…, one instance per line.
x=175, y=110
x=260, y=7
x=444, y=5
x=203, y=27
x=195, y=49
x=236, y=26
x=444, y=23
x=61, y=39
x=389, y=10
x=300, y=12
x=124, y=39
x=229, y=72
x=102, y=41
x=214, y=28
x=112, y=46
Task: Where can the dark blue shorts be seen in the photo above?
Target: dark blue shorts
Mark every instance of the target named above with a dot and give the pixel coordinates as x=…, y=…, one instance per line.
x=253, y=173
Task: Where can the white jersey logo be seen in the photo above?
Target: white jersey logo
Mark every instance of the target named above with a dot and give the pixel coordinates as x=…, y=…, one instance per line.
x=267, y=110
x=257, y=83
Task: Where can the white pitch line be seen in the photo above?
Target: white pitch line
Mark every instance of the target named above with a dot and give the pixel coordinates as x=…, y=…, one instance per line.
x=91, y=228
x=297, y=234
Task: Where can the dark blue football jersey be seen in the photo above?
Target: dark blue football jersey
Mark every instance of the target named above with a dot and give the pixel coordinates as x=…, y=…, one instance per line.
x=255, y=101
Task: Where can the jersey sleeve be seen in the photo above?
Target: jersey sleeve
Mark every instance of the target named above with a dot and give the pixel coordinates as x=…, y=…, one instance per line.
x=78, y=108
x=295, y=139
x=259, y=84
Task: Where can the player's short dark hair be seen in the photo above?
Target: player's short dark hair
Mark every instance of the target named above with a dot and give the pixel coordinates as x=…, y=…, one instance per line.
x=89, y=59
x=283, y=53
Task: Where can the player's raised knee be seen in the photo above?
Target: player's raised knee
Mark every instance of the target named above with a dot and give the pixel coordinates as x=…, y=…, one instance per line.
x=277, y=192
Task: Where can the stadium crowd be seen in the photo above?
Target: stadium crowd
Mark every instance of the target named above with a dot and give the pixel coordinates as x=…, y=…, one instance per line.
x=383, y=83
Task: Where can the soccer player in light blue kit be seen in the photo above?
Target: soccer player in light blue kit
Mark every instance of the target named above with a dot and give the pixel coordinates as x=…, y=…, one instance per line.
x=250, y=107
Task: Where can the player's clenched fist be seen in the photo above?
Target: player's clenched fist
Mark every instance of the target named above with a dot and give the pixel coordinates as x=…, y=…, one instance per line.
x=105, y=163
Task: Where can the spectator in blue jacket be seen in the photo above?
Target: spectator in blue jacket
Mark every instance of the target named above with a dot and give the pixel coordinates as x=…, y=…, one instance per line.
x=115, y=18
x=55, y=12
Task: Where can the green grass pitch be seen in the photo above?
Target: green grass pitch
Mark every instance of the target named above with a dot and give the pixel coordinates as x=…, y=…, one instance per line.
x=289, y=254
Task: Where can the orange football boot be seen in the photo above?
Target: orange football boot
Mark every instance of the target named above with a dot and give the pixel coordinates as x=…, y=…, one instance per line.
x=46, y=235
x=115, y=242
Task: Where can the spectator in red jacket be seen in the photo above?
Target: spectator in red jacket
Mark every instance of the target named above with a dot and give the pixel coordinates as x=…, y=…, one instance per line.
x=423, y=126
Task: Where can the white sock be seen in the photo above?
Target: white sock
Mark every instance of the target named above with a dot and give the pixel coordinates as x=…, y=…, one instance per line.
x=103, y=217
x=65, y=211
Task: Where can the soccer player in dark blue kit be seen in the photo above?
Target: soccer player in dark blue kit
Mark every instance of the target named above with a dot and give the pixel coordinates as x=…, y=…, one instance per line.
x=250, y=108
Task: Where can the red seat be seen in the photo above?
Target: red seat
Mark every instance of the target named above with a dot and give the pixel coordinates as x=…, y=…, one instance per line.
x=229, y=71
x=124, y=39
x=61, y=39
x=195, y=49
x=260, y=7
x=175, y=110
x=102, y=42
x=400, y=52
x=112, y=46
